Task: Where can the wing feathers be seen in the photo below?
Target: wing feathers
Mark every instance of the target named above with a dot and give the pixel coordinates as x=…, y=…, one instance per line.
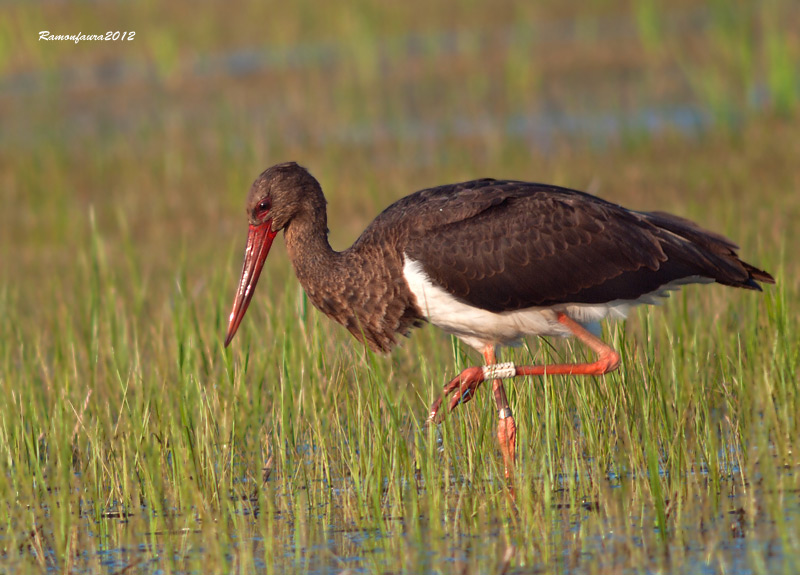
x=503, y=246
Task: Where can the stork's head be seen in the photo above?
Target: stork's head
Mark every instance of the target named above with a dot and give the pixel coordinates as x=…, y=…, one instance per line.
x=274, y=199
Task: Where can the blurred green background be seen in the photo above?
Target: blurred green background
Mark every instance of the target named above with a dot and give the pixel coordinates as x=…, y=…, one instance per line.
x=375, y=99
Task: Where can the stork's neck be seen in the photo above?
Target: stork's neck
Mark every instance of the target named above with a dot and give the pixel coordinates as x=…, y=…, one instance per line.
x=331, y=280
x=306, y=236
x=361, y=287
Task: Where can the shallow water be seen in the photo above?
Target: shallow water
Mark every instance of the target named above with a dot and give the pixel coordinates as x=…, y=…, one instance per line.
x=580, y=540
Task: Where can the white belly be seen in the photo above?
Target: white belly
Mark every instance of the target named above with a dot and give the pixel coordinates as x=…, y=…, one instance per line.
x=478, y=327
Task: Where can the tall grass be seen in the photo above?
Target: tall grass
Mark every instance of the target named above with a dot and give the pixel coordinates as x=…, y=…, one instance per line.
x=130, y=436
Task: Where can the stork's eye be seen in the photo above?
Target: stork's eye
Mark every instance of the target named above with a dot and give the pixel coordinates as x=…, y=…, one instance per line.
x=264, y=206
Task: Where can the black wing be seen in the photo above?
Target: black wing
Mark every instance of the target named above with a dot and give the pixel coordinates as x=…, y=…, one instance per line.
x=503, y=245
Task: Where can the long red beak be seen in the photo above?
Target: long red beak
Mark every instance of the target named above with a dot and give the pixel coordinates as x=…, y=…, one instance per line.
x=259, y=240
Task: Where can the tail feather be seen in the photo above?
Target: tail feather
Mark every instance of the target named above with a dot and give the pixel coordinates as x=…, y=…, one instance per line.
x=718, y=253
x=757, y=275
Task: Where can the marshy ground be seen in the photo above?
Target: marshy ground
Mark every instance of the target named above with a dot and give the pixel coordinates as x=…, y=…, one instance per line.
x=131, y=441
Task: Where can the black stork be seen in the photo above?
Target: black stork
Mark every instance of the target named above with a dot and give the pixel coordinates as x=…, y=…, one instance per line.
x=489, y=261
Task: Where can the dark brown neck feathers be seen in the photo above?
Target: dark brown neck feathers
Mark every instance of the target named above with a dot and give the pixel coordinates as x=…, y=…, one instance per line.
x=362, y=287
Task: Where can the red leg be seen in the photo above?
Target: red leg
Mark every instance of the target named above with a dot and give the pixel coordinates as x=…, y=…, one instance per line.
x=464, y=385
x=506, y=427
x=468, y=381
x=463, y=388
x=607, y=358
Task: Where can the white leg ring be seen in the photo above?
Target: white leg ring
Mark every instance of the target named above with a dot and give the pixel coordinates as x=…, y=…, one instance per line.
x=499, y=371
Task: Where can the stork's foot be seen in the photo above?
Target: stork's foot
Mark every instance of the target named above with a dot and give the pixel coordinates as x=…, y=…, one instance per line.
x=462, y=388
